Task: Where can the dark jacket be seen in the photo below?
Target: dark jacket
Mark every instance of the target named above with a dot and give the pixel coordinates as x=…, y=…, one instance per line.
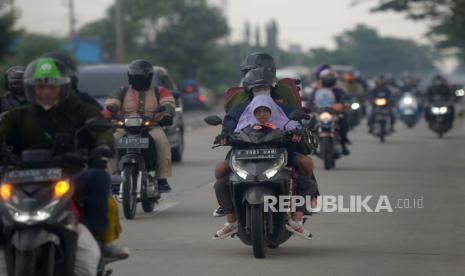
x=31, y=127
x=441, y=92
x=9, y=102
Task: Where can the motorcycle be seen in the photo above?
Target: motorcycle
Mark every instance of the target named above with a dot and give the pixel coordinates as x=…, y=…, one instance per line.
x=329, y=140
x=37, y=209
x=438, y=114
x=409, y=109
x=381, y=119
x=258, y=162
x=355, y=112
x=133, y=148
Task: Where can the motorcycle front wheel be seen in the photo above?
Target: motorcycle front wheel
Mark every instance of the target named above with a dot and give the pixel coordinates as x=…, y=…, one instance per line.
x=257, y=223
x=129, y=191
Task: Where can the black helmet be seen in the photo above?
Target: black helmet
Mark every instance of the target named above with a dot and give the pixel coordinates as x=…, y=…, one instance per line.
x=258, y=60
x=258, y=77
x=140, y=74
x=14, y=80
x=69, y=62
x=46, y=71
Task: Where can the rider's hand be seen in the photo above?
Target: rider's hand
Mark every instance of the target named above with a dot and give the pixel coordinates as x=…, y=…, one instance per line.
x=166, y=121
x=221, y=139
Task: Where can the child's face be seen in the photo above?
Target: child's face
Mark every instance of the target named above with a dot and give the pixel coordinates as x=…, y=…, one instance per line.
x=263, y=114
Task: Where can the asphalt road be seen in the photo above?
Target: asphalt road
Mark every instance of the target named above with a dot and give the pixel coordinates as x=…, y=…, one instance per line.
x=413, y=167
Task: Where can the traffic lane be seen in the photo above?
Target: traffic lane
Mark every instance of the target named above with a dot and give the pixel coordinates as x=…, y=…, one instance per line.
x=426, y=241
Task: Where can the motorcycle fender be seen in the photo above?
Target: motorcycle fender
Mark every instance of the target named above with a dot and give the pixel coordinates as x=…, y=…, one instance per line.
x=130, y=159
x=29, y=239
x=255, y=195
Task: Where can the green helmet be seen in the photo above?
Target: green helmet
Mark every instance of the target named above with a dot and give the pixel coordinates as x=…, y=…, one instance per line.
x=47, y=71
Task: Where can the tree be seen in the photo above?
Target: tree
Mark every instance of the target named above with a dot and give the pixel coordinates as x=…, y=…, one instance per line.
x=178, y=34
x=447, y=19
x=7, y=33
x=365, y=49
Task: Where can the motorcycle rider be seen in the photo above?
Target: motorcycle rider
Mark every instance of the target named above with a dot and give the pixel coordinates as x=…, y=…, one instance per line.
x=259, y=82
x=254, y=61
x=14, y=86
x=327, y=81
x=141, y=98
x=441, y=91
x=382, y=90
x=55, y=111
x=72, y=66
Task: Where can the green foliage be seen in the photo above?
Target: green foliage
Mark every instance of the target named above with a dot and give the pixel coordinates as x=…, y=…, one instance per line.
x=179, y=34
x=447, y=19
x=7, y=34
x=31, y=46
x=365, y=49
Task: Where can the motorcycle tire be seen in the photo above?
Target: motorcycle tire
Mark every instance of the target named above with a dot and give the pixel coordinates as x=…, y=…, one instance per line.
x=129, y=191
x=257, y=223
x=148, y=202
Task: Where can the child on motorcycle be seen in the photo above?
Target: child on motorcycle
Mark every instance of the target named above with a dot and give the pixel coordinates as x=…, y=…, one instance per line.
x=262, y=113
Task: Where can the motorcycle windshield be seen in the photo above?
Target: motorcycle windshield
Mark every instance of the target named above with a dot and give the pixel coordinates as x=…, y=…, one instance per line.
x=262, y=136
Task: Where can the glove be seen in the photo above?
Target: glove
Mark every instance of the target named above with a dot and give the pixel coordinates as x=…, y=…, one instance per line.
x=219, y=138
x=166, y=121
x=100, y=156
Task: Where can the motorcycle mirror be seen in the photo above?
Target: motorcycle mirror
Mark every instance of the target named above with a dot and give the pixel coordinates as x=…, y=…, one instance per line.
x=298, y=115
x=98, y=124
x=213, y=120
x=113, y=109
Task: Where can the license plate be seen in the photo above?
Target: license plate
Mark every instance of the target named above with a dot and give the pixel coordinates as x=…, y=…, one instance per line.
x=133, y=143
x=37, y=175
x=250, y=154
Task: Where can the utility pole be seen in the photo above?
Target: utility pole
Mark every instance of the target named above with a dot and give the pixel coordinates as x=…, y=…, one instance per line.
x=119, y=32
x=72, y=19
x=72, y=26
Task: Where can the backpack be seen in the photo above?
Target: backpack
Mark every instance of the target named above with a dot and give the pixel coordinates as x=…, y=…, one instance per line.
x=286, y=90
x=124, y=90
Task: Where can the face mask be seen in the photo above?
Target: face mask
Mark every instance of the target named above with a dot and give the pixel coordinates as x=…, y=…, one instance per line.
x=47, y=107
x=140, y=83
x=329, y=82
x=17, y=91
x=264, y=91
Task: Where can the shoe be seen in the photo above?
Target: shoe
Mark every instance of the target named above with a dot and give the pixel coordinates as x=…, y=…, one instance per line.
x=228, y=230
x=218, y=212
x=163, y=186
x=112, y=253
x=345, y=150
x=298, y=229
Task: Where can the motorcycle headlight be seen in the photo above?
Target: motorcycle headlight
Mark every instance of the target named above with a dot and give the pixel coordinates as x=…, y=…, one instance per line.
x=61, y=188
x=236, y=167
x=133, y=122
x=381, y=102
x=6, y=192
x=355, y=106
x=407, y=101
x=277, y=165
x=326, y=117
x=32, y=217
x=439, y=110
x=460, y=93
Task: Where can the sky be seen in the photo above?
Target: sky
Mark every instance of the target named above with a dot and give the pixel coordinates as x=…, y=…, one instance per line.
x=310, y=23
